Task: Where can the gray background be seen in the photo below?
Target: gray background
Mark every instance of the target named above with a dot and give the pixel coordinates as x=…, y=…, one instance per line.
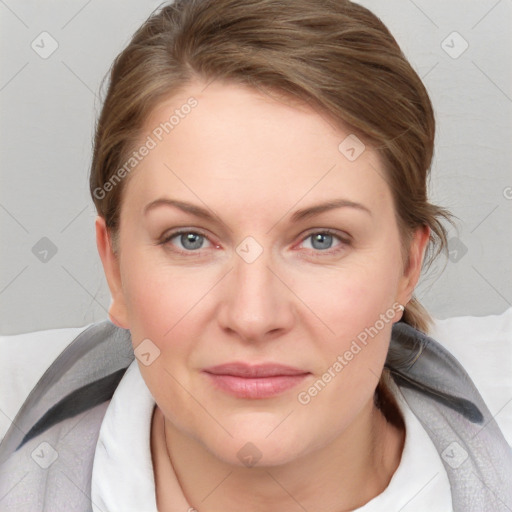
x=48, y=107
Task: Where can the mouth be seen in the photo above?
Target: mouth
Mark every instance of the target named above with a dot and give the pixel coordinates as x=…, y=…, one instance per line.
x=255, y=381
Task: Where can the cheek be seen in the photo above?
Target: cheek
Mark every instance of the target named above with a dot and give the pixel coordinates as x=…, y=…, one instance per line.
x=353, y=297
x=164, y=305
x=357, y=306
x=159, y=297
x=359, y=310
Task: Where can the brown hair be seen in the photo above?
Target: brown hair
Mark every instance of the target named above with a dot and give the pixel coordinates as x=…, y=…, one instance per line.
x=333, y=54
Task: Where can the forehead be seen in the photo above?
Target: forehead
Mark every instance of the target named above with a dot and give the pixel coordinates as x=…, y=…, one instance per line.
x=237, y=148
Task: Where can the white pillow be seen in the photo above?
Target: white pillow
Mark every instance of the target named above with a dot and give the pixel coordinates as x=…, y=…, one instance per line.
x=483, y=345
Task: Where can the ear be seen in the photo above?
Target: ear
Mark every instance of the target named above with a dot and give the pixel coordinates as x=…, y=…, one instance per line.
x=117, y=311
x=411, y=275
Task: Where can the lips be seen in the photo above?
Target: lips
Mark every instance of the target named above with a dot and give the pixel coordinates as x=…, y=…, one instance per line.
x=254, y=381
x=254, y=371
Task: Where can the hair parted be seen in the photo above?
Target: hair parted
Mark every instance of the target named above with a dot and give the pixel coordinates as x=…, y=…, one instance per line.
x=334, y=55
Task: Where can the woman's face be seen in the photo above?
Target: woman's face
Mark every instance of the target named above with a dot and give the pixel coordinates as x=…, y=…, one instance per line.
x=254, y=234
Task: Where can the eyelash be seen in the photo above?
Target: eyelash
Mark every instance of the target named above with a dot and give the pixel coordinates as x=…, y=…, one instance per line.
x=344, y=241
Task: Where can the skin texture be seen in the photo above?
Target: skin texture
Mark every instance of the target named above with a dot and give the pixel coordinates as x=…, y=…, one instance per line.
x=253, y=161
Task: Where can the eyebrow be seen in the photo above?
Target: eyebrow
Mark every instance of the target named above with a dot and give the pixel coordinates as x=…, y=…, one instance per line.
x=198, y=211
x=328, y=205
x=305, y=213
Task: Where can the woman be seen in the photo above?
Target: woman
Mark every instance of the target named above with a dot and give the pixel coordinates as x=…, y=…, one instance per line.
x=259, y=173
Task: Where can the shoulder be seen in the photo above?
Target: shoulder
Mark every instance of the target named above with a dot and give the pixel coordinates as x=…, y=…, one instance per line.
x=483, y=345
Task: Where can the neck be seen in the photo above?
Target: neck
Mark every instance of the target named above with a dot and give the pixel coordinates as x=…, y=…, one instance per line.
x=341, y=475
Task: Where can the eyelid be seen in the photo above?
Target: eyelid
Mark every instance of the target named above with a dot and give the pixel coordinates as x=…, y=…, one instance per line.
x=342, y=235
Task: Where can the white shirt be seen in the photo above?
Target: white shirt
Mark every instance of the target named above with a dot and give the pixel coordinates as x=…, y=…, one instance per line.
x=122, y=478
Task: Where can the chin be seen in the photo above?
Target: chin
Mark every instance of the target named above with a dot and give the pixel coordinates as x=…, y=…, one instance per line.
x=254, y=448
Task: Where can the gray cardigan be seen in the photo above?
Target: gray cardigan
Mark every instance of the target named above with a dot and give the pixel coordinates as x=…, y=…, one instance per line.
x=46, y=456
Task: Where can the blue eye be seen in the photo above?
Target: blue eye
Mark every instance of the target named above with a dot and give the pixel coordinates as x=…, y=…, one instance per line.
x=190, y=241
x=323, y=241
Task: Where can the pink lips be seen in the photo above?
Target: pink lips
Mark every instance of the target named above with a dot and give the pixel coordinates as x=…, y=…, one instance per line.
x=255, y=381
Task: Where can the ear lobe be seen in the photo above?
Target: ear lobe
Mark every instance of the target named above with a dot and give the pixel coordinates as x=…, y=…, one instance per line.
x=117, y=310
x=412, y=273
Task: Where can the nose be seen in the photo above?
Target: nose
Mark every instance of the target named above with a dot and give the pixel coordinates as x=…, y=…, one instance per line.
x=257, y=305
